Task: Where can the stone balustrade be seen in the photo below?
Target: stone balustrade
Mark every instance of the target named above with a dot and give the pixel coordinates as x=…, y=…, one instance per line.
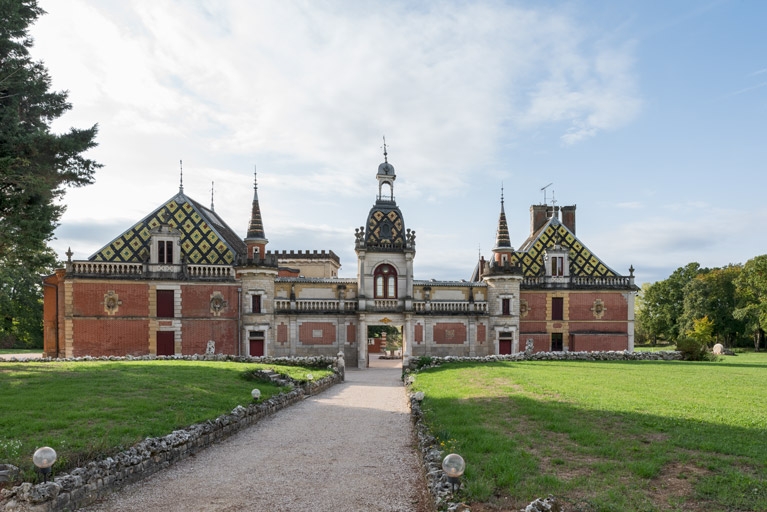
x=314, y=305
x=210, y=271
x=448, y=307
x=105, y=268
x=615, y=282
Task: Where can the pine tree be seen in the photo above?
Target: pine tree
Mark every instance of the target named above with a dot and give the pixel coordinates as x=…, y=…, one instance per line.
x=35, y=167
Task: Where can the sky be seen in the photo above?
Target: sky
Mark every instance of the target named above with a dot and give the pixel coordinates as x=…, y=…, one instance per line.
x=650, y=116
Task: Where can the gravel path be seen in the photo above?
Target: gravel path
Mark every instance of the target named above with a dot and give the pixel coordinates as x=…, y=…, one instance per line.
x=347, y=449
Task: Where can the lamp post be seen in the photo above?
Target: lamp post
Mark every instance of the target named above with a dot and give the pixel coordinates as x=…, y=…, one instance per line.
x=44, y=458
x=453, y=465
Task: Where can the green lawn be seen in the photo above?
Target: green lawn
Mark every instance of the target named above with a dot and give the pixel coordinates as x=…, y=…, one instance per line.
x=606, y=436
x=87, y=410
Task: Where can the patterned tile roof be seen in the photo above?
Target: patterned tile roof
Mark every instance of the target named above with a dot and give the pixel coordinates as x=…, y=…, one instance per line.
x=205, y=238
x=583, y=262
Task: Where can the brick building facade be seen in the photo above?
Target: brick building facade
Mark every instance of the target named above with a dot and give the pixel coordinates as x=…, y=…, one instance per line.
x=181, y=278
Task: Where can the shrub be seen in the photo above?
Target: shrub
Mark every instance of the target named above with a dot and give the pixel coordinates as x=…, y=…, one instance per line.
x=694, y=349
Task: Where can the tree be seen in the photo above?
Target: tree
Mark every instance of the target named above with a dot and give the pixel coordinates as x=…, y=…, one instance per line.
x=663, y=304
x=712, y=295
x=35, y=167
x=751, y=291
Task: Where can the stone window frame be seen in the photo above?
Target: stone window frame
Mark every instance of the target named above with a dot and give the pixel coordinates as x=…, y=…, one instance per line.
x=249, y=301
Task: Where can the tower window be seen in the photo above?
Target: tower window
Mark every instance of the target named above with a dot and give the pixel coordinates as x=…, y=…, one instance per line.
x=506, y=307
x=385, y=278
x=256, y=304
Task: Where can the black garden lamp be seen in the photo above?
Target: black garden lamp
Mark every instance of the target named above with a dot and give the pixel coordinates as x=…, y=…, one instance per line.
x=453, y=465
x=44, y=458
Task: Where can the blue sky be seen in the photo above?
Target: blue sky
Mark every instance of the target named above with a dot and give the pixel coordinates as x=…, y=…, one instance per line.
x=649, y=116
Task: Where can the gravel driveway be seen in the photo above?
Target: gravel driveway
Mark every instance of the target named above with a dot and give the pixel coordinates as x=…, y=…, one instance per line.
x=347, y=449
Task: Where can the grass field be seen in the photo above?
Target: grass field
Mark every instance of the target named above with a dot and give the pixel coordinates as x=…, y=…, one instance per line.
x=88, y=410
x=606, y=436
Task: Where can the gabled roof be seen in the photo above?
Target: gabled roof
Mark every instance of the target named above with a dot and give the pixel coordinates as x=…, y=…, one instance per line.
x=583, y=262
x=205, y=237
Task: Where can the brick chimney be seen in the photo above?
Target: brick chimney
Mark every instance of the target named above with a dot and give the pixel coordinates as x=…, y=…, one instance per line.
x=568, y=217
x=537, y=217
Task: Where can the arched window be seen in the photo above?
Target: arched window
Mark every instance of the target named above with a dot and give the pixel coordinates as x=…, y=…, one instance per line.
x=385, y=278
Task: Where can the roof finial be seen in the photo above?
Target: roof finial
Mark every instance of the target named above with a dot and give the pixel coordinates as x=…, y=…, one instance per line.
x=213, y=208
x=501, y=193
x=386, y=159
x=255, y=178
x=181, y=177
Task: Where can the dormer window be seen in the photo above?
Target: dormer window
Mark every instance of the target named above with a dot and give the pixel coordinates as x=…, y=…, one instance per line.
x=164, y=246
x=558, y=266
x=165, y=252
x=557, y=262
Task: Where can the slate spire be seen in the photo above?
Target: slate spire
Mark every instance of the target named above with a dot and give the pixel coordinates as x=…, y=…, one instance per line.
x=502, y=240
x=256, y=226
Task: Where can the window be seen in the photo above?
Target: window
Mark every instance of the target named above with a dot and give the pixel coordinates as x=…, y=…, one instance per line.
x=256, y=304
x=165, y=306
x=557, y=308
x=165, y=251
x=558, y=266
x=385, y=278
x=556, y=342
x=506, y=307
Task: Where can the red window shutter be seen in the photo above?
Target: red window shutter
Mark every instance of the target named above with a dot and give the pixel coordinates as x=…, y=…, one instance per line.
x=165, y=306
x=557, y=308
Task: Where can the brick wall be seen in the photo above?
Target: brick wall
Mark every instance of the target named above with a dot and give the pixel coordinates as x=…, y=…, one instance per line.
x=88, y=298
x=351, y=333
x=536, y=305
x=317, y=333
x=449, y=333
x=418, y=333
x=592, y=342
x=196, y=300
x=615, y=306
x=195, y=335
x=110, y=337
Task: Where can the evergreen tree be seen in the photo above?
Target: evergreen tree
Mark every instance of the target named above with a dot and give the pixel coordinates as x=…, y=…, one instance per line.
x=35, y=166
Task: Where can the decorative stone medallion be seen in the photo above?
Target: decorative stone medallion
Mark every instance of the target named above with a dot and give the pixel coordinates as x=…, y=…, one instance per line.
x=112, y=302
x=598, y=309
x=524, y=308
x=217, y=303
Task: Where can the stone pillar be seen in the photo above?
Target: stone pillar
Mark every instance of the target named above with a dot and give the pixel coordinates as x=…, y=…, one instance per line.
x=408, y=338
x=362, y=342
x=293, y=335
x=471, y=333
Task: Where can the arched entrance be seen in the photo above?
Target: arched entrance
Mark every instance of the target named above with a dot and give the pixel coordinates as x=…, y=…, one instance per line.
x=385, y=347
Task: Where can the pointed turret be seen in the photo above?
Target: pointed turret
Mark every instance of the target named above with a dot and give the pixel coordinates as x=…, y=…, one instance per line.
x=502, y=249
x=256, y=239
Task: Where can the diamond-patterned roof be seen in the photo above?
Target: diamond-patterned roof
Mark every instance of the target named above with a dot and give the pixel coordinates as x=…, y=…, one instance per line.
x=583, y=262
x=205, y=238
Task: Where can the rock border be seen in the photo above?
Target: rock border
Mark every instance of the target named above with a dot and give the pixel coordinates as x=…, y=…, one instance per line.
x=431, y=455
x=85, y=485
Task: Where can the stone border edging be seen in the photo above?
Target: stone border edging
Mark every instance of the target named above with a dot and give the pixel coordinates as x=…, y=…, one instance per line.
x=431, y=455
x=84, y=485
